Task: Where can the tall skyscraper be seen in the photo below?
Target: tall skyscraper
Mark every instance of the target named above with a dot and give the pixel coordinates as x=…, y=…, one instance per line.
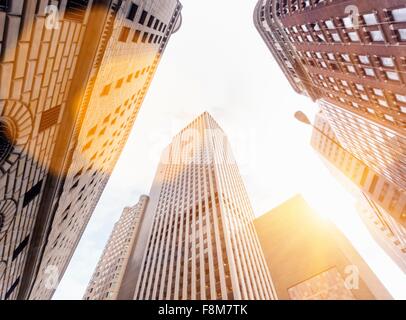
x=350, y=57
x=309, y=259
x=381, y=204
x=73, y=75
x=108, y=276
x=199, y=240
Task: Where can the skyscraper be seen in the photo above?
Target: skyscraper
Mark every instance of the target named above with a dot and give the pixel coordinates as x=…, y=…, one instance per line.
x=381, y=204
x=199, y=240
x=350, y=57
x=107, y=279
x=309, y=259
x=73, y=76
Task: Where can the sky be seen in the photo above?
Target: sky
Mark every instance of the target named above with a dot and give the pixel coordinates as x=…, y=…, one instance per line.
x=217, y=62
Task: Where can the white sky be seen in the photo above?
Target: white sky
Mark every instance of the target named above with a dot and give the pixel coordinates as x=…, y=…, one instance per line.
x=218, y=62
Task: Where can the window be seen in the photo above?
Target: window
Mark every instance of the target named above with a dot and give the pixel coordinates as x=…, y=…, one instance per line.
x=387, y=62
x=321, y=37
x=156, y=24
x=87, y=146
x=106, y=90
x=78, y=174
x=351, y=69
x=143, y=17
x=402, y=34
x=370, y=19
x=353, y=36
x=150, y=21
x=329, y=24
x=392, y=75
x=331, y=56
x=389, y=118
x=31, y=194
x=124, y=34
x=74, y=186
x=144, y=37
x=20, y=247
x=132, y=12
x=364, y=59
x=364, y=176
x=336, y=37
x=92, y=131
x=12, y=288
x=400, y=98
x=119, y=83
x=136, y=36
x=378, y=92
x=376, y=36
x=76, y=10
x=3, y=5
x=316, y=27
x=346, y=57
x=348, y=22
x=49, y=118
x=369, y=72
x=399, y=15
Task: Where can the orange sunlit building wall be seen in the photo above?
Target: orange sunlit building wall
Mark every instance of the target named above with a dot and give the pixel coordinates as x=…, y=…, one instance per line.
x=309, y=259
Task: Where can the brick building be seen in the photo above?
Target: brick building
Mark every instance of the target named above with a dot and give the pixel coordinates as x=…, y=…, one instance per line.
x=350, y=56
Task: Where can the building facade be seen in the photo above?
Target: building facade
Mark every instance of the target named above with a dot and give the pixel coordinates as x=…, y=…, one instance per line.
x=387, y=232
x=309, y=259
x=199, y=241
x=66, y=110
x=350, y=57
x=108, y=276
x=381, y=204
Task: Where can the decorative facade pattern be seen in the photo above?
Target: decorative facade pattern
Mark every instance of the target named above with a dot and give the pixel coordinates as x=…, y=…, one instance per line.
x=328, y=285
